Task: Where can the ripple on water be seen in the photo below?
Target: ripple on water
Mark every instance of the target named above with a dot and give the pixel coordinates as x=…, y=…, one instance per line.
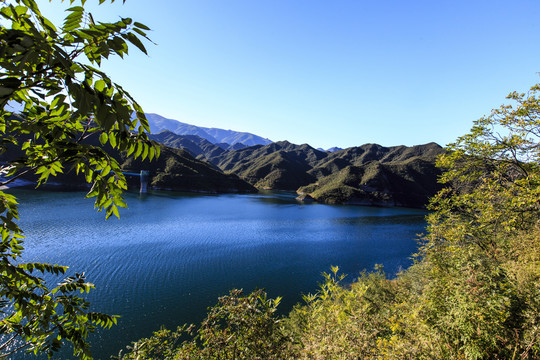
x=169, y=257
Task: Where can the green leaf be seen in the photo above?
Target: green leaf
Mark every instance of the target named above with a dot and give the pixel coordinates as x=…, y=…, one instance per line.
x=103, y=138
x=140, y=32
x=145, y=151
x=115, y=211
x=32, y=5
x=105, y=171
x=100, y=85
x=58, y=100
x=139, y=150
x=112, y=139
x=131, y=149
x=132, y=38
x=141, y=26
x=20, y=10
x=76, y=9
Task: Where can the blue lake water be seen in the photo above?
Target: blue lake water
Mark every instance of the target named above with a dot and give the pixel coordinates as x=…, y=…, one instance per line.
x=169, y=257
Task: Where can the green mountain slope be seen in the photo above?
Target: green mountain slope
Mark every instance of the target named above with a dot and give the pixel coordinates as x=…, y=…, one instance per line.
x=368, y=174
x=364, y=154
x=408, y=183
x=280, y=165
x=177, y=169
x=194, y=144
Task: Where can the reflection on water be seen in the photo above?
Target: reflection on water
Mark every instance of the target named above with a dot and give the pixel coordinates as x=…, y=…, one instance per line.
x=171, y=254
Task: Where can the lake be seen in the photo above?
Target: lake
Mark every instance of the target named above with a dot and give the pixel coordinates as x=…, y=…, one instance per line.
x=169, y=257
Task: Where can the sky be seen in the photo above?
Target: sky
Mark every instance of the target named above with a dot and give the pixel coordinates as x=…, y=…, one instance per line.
x=328, y=73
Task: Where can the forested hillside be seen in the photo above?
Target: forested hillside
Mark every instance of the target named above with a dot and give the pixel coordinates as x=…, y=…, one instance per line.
x=369, y=174
x=176, y=169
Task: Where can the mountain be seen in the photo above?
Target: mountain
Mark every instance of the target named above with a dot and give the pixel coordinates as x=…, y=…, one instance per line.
x=174, y=169
x=177, y=169
x=410, y=183
x=195, y=145
x=214, y=135
x=280, y=165
x=334, y=148
x=372, y=174
x=361, y=155
x=367, y=174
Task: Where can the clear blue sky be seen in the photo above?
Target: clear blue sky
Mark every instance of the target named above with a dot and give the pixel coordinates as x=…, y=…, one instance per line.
x=333, y=72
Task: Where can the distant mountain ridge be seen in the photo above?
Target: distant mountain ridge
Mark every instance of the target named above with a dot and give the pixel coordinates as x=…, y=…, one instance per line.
x=369, y=174
x=159, y=123
x=333, y=149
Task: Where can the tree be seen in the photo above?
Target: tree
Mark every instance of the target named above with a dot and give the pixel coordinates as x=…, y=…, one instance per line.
x=52, y=74
x=480, y=294
x=494, y=172
x=238, y=327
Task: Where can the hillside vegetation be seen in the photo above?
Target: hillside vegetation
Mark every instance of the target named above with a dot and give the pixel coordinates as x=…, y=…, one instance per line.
x=194, y=144
x=402, y=183
x=176, y=169
x=472, y=293
x=370, y=174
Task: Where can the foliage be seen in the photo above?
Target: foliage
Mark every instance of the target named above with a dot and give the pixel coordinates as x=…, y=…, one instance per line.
x=238, y=327
x=494, y=173
x=342, y=322
x=474, y=291
x=476, y=302
x=51, y=74
x=65, y=101
x=163, y=344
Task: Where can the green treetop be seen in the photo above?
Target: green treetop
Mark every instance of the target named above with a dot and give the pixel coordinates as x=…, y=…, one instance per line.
x=52, y=75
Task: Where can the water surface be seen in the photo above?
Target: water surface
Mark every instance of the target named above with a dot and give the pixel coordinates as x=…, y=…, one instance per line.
x=171, y=255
